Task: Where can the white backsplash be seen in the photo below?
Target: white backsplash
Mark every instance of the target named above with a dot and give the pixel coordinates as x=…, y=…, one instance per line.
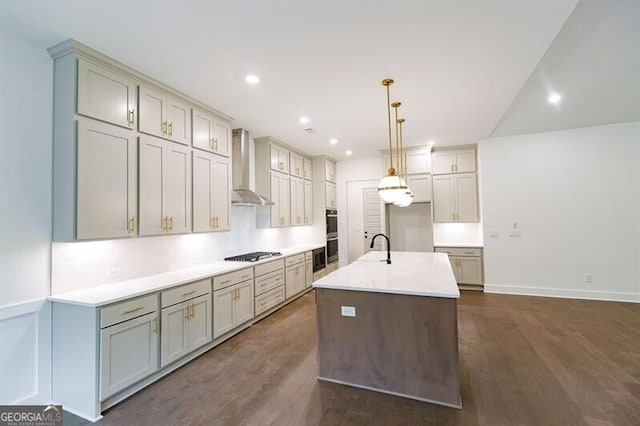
x=82, y=265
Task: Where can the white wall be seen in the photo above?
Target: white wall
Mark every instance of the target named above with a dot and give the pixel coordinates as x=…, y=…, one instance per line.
x=84, y=264
x=26, y=93
x=575, y=197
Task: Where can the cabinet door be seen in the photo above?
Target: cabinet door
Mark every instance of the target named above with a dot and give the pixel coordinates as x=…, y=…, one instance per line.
x=174, y=336
x=129, y=352
x=420, y=185
x=221, y=193
x=308, y=273
x=465, y=161
x=469, y=270
x=297, y=201
x=151, y=210
x=300, y=278
x=106, y=95
x=308, y=203
x=290, y=281
x=296, y=165
x=177, y=115
x=200, y=321
x=331, y=195
x=106, y=181
x=244, y=302
x=417, y=162
x=176, y=192
x=203, y=191
x=284, y=199
x=466, y=197
x=443, y=198
x=276, y=217
x=307, y=168
x=330, y=171
x=221, y=138
x=202, y=130
x=152, y=105
x=223, y=301
x=279, y=158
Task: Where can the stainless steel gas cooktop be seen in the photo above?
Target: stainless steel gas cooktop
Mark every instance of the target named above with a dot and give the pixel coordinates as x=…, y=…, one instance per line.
x=253, y=257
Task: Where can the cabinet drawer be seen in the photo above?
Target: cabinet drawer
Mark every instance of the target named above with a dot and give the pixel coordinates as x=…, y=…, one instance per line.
x=185, y=292
x=268, y=282
x=269, y=300
x=265, y=268
x=460, y=251
x=292, y=260
x=124, y=311
x=222, y=281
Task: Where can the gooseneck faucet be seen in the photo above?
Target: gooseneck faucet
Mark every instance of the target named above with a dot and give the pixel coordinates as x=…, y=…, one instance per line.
x=388, y=246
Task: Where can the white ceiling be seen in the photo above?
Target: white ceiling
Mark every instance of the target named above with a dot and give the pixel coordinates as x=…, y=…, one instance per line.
x=458, y=65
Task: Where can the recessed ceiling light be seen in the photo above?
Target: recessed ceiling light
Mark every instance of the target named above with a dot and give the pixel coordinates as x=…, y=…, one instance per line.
x=431, y=143
x=554, y=98
x=304, y=119
x=333, y=141
x=348, y=152
x=252, y=79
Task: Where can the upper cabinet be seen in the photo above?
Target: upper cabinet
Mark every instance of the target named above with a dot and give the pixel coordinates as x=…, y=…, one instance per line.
x=416, y=162
x=455, y=198
x=454, y=161
x=330, y=170
x=420, y=185
x=106, y=95
x=296, y=165
x=163, y=115
x=279, y=158
x=109, y=170
x=211, y=133
x=211, y=192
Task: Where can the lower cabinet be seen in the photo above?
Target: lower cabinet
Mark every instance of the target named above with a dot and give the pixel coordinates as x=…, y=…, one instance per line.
x=308, y=273
x=269, y=285
x=186, y=325
x=294, y=279
x=128, y=348
x=332, y=267
x=466, y=263
x=232, y=305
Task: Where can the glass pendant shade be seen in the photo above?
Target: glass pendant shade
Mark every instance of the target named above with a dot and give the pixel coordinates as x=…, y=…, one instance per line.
x=391, y=188
x=405, y=199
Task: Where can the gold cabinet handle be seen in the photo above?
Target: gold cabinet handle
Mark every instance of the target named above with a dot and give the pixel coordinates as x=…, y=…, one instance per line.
x=189, y=292
x=170, y=223
x=280, y=165
x=164, y=223
x=171, y=129
x=211, y=143
x=297, y=171
x=215, y=144
x=155, y=325
x=164, y=127
x=193, y=310
x=132, y=225
x=187, y=311
x=456, y=168
x=131, y=117
x=132, y=310
x=217, y=223
x=211, y=223
x=242, y=277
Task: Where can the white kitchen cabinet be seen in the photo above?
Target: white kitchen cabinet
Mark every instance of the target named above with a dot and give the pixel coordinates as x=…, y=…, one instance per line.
x=106, y=94
x=294, y=279
x=296, y=164
x=417, y=162
x=420, y=185
x=128, y=343
x=308, y=202
x=453, y=161
x=210, y=133
x=466, y=263
x=163, y=115
x=455, y=198
x=280, y=193
x=330, y=195
x=330, y=171
x=307, y=168
x=297, y=201
x=279, y=158
x=165, y=187
x=186, y=326
x=269, y=285
x=232, y=307
x=211, y=192
x=308, y=273
x=106, y=181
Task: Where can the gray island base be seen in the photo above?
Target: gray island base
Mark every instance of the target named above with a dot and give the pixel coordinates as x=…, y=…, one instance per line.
x=391, y=328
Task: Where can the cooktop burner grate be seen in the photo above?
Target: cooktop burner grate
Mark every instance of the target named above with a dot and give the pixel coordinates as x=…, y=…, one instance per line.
x=254, y=256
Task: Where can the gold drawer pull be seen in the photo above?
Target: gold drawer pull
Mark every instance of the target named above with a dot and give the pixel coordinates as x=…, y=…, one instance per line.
x=129, y=311
x=155, y=325
x=164, y=127
x=131, y=116
x=225, y=281
x=171, y=129
x=189, y=292
x=245, y=276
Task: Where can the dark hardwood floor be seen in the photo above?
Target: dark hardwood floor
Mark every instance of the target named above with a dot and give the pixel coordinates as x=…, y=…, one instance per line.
x=523, y=361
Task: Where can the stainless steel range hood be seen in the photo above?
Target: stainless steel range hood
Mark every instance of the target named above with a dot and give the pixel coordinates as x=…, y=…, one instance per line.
x=242, y=194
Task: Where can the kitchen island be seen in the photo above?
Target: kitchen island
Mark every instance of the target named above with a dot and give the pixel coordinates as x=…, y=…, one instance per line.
x=391, y=328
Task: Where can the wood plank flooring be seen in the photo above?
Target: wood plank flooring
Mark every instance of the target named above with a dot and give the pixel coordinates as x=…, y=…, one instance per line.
x=523, y=361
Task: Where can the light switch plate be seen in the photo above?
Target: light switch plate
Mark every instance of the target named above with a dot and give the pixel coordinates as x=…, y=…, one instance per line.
x=348, y=311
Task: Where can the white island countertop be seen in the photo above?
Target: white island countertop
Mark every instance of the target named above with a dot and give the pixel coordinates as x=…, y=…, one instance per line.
x=114, y=292
x=411, y=273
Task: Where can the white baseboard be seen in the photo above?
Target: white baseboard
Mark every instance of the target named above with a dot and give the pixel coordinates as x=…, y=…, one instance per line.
x=563, y=293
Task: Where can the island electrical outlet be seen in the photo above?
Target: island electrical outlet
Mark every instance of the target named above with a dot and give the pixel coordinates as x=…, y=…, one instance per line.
x=348, y=311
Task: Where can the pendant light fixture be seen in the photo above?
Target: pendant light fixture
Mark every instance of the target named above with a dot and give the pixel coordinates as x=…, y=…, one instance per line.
x=407, y=198
x=391, y=186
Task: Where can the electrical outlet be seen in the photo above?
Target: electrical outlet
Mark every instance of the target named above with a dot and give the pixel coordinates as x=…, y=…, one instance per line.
x=348, y=311
x=113, y=272
x=588, y=278
x=493, y=234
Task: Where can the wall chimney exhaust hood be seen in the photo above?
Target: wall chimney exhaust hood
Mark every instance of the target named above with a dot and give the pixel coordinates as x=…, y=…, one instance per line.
x=242, y=194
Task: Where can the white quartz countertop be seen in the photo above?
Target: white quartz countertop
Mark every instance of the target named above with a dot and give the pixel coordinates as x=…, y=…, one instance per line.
x=411, y=273
x=110, y=293
x=461, y=245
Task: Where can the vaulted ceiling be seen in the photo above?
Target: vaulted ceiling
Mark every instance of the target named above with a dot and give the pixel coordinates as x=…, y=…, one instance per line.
x=464, y=70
